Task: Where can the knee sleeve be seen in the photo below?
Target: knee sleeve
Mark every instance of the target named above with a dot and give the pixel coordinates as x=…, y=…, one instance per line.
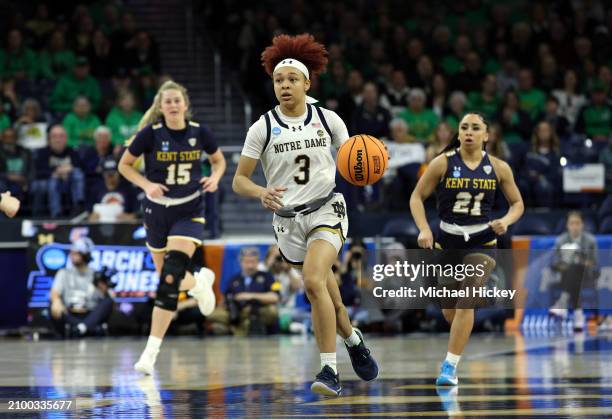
x=175, y=265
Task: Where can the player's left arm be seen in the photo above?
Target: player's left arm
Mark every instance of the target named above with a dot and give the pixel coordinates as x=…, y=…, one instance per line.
x=512, y=194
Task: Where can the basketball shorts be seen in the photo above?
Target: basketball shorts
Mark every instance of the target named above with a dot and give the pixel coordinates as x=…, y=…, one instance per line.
x=294, y=234
x=183, y=221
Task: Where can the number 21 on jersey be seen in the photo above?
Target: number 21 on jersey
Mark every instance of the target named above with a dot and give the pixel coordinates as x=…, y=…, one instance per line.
x=465, y=205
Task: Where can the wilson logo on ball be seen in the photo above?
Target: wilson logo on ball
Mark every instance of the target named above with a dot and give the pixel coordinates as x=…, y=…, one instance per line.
x=362, y=160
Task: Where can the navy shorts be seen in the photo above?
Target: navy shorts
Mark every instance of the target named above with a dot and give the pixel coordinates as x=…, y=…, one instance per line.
x=183, y=221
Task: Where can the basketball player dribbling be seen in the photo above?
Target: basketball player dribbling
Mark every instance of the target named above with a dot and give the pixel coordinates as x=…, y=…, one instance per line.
x=293, y=142
x=465, y=178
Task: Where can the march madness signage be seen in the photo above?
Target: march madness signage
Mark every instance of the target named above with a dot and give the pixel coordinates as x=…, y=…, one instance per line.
x=119, y=250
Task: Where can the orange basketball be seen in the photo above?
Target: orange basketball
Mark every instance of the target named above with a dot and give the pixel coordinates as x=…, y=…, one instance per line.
x=362, y=160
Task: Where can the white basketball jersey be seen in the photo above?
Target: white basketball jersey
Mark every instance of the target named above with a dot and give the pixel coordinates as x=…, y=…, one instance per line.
x=297, y=152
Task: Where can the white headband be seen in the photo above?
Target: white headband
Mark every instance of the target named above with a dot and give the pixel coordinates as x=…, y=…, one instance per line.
x=292, y=62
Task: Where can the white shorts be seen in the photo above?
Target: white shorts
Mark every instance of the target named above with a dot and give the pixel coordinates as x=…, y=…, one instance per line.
x=294, y=235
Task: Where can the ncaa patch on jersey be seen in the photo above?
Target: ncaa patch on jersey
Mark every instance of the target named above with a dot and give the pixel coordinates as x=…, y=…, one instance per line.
x=457, y=171
x=487, y=169
x=192, y=141
x=276, y=131
x=165, y=146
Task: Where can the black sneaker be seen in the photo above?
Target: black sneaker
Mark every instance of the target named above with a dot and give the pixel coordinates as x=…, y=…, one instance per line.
x=363, y=362
x=327, y=383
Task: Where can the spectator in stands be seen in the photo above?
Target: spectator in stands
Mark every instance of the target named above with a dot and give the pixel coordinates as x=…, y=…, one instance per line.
x=541, y=186
x=348, y=102
x=93, y=156
x=576, y=259
x=57, y=168
x=496, y=146
x=486, y=101
x=439, y=95
x=56, y=60
x=15, y=165
x=399, y=131
x=440, y=140
x=570, y=99
x=80, y=124
x=453, y=63
x=79, y=83
x=40, y=26
x=515, y=122
x=548, y=74
x=395, y=97
x=470, y=78
x=17, y=61
x=531, y=100
x=113, y=201
x=100, y=58
x=369, y=117
x=78, y=305
x=595, y=119
x=121, y=38
x=551, y=115
x=123, y=118
x=424, y=74
x=333, y=84
x=143, y=53
x=83, y=33
x=421, y=121
x=32, y=125
x=456, y=109
x=251, y=299
x=146, y=88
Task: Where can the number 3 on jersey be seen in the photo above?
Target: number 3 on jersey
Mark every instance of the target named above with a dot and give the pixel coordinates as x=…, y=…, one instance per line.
x=179, y=174
x=304, y=176
x=463, y=202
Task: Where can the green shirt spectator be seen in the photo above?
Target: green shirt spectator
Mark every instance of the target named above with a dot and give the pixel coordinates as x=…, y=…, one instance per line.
x=5, y=121
x=421, y=121
x=456, y=105
x=531, y=100
x=17, y=61
x=79, y=83
x=486, y=101
x=595, y=119
x=80, y=124
x=57, y=61
x=123, y=119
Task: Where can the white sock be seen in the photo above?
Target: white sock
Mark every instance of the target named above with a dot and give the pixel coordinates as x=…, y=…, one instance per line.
x=452, y=359
x=329, y=358
x=153, y=344
x=353, y=339
x=82, y=328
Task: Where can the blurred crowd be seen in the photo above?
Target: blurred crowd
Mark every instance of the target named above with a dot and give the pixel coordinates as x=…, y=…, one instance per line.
x=74, y=81
x=540, y=72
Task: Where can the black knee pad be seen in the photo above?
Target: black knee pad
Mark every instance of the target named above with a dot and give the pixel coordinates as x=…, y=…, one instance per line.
x=175, y=264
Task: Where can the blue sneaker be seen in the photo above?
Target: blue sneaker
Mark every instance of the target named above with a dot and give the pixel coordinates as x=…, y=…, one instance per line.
x=327, y=383
x=448, y=375
x=363, y=362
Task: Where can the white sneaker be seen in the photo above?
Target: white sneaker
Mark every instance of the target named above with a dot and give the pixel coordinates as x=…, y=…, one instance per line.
x=146, y=363
x=579, y=320
x=203, y=291
x=559, y=312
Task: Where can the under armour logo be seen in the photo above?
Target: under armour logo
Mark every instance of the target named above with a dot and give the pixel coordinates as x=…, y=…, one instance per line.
x=339, y=209
x=298, y=128
x=280, y=229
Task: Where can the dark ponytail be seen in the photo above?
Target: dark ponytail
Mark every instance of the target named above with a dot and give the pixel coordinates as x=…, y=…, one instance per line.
x=455, y=143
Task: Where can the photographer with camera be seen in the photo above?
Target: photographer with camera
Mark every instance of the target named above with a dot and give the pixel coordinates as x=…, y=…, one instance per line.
x=250, y=305
x=576, y=260
x=80, y=299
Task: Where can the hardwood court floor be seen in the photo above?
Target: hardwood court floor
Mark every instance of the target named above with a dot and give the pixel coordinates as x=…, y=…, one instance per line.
x=503, y=376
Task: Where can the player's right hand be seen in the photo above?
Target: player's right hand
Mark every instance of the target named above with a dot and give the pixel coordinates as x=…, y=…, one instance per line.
x=155, y=190
x=425, y=239
x=271, y=198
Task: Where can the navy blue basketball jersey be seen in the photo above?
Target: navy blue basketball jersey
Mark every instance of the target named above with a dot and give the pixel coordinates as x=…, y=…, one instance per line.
x=173, y=158
x=466, y=196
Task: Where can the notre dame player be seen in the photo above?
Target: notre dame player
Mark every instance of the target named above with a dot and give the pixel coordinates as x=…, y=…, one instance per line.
x=294, y=142
x=172, y=145
x=465, y=178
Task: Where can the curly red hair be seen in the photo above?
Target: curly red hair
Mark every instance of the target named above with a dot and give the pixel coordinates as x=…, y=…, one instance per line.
x=301, y=47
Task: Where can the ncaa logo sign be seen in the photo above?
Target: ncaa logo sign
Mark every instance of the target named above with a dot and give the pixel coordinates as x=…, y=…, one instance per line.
x=54, y=259
x=276, y=131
